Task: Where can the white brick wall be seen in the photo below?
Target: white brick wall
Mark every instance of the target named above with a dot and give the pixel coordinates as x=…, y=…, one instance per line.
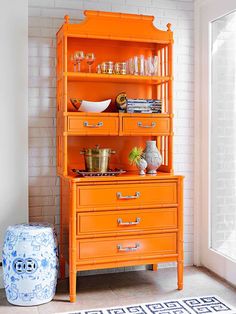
x=45, y=16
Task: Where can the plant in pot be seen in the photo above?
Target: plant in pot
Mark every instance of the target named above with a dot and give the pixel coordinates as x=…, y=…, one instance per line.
x=136, y=158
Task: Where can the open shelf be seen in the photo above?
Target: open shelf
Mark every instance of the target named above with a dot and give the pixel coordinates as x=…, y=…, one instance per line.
x=128, y=176
x=93, y=77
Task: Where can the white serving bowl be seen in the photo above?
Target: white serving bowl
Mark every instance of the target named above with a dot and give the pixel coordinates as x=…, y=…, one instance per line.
x=94, y=106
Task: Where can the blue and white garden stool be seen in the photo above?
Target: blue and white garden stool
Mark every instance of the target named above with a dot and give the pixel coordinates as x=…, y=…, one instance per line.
x=30, y=264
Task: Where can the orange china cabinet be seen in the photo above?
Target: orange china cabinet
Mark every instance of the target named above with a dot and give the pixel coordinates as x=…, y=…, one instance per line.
x=127, y=219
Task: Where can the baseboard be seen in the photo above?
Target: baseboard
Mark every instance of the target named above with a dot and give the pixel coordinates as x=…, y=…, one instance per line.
x=1, y=278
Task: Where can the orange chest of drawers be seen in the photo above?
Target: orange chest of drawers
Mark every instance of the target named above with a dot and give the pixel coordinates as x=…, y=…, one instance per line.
x=127, y=220
x=120, y=223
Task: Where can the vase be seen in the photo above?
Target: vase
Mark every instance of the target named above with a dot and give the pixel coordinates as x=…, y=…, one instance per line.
x=141, y=165
x=152, y=156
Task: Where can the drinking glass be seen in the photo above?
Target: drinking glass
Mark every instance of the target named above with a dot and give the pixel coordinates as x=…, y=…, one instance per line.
x=150, y=65
x=79, y=56
x=136, y=67
x=90, y=58
x=155, y=65
x=73, y=60
x=141, y=65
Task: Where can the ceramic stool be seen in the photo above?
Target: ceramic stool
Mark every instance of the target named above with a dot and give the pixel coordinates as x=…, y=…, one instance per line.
x=30, y=264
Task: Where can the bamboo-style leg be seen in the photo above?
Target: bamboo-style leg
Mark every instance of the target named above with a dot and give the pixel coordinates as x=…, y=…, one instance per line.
x=73, y=286
x=72, y=243
x=154, y=267
x=180, y=270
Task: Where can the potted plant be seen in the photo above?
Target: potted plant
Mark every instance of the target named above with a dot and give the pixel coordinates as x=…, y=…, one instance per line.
x=136, y=158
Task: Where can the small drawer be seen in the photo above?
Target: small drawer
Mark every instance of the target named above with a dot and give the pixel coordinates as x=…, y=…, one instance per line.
x=142, y=125
x=126, y=195
x=126, y=221
x=88, y=125
x=115, y=248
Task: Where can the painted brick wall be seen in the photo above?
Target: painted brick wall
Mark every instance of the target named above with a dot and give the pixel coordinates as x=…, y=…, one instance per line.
x=45, y=17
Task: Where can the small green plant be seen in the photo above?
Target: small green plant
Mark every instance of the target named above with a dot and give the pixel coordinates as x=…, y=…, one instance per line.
x=135, y=155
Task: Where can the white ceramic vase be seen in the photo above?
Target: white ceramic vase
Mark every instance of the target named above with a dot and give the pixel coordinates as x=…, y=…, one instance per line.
x=152, y=156
x=141, y=165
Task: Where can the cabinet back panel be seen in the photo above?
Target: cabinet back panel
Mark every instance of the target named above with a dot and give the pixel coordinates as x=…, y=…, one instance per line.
x=97, y=91
x=109, y=50
x=122, y=146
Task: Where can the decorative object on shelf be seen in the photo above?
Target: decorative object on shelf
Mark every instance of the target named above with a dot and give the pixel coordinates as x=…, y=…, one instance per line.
x=107, y=67
x=136, y=158
x=78, y=57
x=138, y=65
x=121, y=101
x=152, y=156
x=144, y=105
x=97, y=159
x=90, y=58
x=108, y=173
x=30, y=263
x=90, y=106
x=120, y=68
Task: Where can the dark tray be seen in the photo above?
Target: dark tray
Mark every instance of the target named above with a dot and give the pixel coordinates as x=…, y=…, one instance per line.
x=109, y=173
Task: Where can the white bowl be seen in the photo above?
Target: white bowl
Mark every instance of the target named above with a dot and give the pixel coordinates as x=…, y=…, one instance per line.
x=94, y=106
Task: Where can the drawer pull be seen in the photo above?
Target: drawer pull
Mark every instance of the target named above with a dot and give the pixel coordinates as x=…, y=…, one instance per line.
x=128, y=197
x=129, y=223
x=128, y=249
x=140, y=125
x=98, y=125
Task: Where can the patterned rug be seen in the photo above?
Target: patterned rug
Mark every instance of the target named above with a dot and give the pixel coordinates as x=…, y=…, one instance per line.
x=194, y=305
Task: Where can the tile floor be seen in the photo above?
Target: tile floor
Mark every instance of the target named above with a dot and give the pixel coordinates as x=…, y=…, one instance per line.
x=129, y=288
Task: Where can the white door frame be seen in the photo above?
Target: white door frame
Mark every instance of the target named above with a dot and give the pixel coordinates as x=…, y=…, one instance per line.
x=205, y=12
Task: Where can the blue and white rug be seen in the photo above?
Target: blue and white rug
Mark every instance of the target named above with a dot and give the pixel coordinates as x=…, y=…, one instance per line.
x=194, y=305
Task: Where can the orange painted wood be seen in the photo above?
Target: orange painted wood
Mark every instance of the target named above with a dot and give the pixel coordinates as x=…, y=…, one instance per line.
x=107, y=196
x=155, y=267
x=121, y=221
x=138, y=79
x=180, y=262
x=72, y=244
x=90, y=207
x=92, y=125
x=108, y=248
x=142, y=126
x=117, y=26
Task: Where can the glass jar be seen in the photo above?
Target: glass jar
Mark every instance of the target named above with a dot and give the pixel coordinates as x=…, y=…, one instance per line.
x=120, y=68
x=107, y=67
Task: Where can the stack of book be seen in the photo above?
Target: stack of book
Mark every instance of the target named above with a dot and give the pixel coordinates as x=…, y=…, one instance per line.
x=143, y=105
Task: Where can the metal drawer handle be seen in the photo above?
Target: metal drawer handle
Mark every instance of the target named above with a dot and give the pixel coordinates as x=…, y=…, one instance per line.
x=130, y=223
x=128, y=249
x=128, y=197
x=140, y=124
x=98, y=125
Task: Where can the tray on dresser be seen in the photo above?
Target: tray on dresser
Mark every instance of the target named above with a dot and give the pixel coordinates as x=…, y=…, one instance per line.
x=109, y=173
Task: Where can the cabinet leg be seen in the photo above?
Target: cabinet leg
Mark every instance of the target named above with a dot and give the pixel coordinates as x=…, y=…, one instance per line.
x=72, y=280
x=154, y=267
x=180, y=271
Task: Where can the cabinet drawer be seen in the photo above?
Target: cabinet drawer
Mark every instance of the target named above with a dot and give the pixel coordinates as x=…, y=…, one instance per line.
x=111, y=248
x=93, y=125
x=124, y=195
x=157, y=126
x=129, y=220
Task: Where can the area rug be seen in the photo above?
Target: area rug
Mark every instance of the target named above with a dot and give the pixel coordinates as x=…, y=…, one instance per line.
x=194, y=305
